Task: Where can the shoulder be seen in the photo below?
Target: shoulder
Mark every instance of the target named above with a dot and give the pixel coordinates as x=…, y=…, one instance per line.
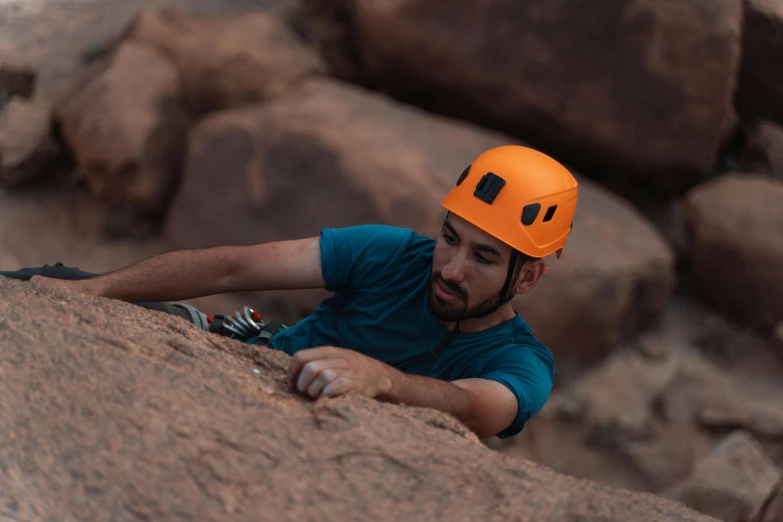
x=526, y=367
x=358, y=254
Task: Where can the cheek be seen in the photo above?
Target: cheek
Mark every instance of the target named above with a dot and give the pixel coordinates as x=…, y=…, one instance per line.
x=485, y=281
x=440, y=256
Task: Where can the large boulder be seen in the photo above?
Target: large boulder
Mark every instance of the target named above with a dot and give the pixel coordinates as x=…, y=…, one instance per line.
x=113, y=411
x=29, y=147
x=643, y=87
x=230, y=60
x=332, y=155
x=736, y=246
x=127, y=128
x=760, y=89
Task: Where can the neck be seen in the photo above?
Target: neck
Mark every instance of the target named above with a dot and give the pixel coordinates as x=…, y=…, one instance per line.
x=501, y=315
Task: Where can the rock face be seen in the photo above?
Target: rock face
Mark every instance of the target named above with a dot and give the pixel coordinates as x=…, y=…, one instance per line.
x=29, y=149
x=127, y=129
x=639, y=86
x=760, y=89
x=124, y=413
x=227, y=61
x=331, y=155
x=733, y=483
x=736, y=246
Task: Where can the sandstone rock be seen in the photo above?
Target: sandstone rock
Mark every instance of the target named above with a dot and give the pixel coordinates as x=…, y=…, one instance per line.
x=639, y=86
x=619, y=394
x=125, y=413
x=732, y=483
x=227, y=61
x=16, y=79
x=764, y=149
x=760, y=88
x=127, y=129
x=29, y=149
x=736, y=248
x=332, y=155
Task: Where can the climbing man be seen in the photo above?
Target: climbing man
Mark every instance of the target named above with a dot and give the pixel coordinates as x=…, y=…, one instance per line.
x=411, y=320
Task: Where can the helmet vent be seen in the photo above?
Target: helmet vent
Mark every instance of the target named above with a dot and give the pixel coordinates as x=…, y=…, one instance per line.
x=550, y=212
x=488, y=188
x=463, y=176
x=530, y=213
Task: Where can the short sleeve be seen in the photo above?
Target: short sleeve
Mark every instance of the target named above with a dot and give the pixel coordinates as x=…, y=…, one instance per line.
x=528, y=371
x=353, y=258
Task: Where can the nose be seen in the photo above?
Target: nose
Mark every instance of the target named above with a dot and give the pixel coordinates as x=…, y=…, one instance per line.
x=455, y=270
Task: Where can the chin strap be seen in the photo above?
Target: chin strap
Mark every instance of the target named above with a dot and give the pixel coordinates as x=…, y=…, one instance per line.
x=504, y=298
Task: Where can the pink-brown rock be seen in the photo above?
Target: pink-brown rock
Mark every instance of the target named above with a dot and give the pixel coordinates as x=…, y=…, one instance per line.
x=736, y=246
x=110, y=411
x=126, y=127
x=226, y=61
x=643, y=87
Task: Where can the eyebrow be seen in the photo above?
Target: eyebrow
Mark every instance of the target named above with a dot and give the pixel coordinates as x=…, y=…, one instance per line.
x=478, y=246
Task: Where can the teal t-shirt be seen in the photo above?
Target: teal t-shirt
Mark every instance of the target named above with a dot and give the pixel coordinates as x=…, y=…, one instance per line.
x=380, y=279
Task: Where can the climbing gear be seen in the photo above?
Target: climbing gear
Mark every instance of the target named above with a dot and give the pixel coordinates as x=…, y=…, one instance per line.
x=520, y=196
x=247, y=326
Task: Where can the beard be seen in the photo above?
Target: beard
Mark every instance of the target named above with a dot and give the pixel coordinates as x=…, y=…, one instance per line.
x=446, y=312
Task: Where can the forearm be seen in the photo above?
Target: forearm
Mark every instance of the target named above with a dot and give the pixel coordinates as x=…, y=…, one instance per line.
x=173, y=276
x=428, y=392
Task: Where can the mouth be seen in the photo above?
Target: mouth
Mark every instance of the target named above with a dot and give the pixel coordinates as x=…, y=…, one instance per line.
x=445, y=293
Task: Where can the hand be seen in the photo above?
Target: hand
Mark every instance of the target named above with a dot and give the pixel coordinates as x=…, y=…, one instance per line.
x=330, y=371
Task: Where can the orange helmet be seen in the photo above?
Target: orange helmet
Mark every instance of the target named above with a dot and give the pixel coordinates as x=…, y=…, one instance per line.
x=520, y=196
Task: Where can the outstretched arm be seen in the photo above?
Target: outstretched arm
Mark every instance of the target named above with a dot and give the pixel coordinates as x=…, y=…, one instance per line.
x=186, y=274
x=486, y=407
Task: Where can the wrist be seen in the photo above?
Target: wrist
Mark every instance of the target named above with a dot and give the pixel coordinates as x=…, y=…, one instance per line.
x=92, y=287
x=389, y=382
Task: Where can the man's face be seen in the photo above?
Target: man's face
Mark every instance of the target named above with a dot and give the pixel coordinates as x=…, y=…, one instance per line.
x=469, y=268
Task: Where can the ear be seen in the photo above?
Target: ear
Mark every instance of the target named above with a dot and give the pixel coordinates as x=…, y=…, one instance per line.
x=531, y=272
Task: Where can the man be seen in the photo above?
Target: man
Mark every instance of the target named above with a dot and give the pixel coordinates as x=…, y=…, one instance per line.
x=411, y=320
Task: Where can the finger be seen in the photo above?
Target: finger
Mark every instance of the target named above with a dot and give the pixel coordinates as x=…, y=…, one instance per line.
x=340, y=385
x=311, y=370
x=302, y=357
x=323, y=379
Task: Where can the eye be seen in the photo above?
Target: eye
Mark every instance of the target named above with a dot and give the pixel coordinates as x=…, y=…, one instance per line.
x=449, y=239
x=483, y=260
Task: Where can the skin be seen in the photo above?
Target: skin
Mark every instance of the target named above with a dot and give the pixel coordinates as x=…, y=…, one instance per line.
x=469, y=269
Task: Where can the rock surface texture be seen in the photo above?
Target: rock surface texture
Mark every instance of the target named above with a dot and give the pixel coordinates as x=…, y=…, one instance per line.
x=111, y=411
